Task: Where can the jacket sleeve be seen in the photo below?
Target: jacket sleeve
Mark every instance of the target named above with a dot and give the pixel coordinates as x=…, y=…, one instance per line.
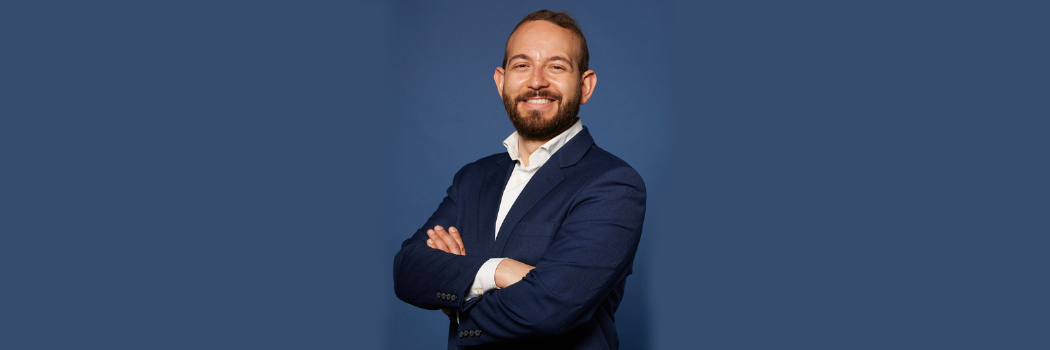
x=592, y=252
x=430, y=278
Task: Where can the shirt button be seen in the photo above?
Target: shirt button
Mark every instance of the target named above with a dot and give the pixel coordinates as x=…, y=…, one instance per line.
x=518, y=181
x=480, y=291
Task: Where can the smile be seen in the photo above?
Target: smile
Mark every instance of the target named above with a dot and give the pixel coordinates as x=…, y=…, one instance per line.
x=538, y=103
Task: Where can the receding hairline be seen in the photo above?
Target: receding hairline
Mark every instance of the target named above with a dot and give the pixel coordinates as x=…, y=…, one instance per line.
x=569, y=23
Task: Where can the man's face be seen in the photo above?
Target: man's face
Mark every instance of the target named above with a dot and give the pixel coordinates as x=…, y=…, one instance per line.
x=541, y=87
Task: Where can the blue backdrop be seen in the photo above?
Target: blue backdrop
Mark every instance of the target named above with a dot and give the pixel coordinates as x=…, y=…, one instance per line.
x=451, y=114
x=229, y=174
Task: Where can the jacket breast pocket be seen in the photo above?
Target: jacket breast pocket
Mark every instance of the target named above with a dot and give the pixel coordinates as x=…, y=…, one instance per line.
x=529, y=240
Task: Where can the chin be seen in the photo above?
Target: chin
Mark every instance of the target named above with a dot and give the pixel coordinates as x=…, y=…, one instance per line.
x=537, y=116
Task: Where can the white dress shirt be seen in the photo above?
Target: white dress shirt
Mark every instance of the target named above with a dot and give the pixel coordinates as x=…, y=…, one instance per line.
x=485, y=280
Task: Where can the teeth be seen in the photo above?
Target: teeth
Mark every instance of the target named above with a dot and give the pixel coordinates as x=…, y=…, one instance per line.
x=540, y=101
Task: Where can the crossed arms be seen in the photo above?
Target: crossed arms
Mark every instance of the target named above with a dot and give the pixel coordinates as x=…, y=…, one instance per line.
x=508, y=272
x=590, y=254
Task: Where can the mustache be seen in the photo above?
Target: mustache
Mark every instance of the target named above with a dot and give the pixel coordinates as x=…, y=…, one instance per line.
x=544, y=94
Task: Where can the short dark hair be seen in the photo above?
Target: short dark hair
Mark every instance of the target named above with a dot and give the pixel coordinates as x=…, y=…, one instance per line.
x=562, y=19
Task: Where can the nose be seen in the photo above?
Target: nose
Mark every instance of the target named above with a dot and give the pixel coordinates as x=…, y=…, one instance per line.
x=537, y=79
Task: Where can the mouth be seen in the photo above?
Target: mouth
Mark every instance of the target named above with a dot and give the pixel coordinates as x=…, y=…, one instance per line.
x=538, y=102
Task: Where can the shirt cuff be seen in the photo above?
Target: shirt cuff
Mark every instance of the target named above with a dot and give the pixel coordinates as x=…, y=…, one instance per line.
x=485, y=280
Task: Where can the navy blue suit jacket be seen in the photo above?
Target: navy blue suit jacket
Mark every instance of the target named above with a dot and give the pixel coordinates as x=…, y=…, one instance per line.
x=578, y=221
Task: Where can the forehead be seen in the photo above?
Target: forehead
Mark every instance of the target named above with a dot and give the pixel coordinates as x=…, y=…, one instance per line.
x=541, y=39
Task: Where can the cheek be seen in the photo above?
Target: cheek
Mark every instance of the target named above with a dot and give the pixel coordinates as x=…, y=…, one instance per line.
x=512, y=87
x=566, y=86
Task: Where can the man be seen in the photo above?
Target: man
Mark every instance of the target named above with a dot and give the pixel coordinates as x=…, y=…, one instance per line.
x=531, y=248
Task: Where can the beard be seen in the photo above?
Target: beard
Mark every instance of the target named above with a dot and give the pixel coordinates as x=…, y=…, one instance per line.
x=532, y=125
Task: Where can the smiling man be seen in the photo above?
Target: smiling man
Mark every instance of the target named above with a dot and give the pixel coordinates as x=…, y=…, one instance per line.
x=531, y=248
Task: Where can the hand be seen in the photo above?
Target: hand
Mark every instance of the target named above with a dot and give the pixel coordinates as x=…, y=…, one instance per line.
x=510, y=271
x=449, y=242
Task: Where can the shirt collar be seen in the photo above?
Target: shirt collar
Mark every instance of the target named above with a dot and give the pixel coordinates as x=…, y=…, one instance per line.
x=542, y=154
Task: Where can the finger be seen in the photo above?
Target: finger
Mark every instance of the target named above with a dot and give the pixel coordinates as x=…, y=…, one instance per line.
x=437, y=242
x=430, y=243
x=450, y=242
x=452, y=231
x=447, y=239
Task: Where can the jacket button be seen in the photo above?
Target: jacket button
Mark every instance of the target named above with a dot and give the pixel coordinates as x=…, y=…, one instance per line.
x=462, y=334
x=477, y=332
x=453, y=297
x=439, y=295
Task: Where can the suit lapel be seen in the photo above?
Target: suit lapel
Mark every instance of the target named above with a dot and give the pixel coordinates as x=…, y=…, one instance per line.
x=542, y=183
x=488, y=208
x=548, y=177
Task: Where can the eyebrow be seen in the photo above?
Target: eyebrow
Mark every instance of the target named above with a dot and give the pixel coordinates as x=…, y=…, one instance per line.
x=553, y=58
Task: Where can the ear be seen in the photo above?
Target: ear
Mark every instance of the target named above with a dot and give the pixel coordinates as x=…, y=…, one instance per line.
x=498, y=77
x=587, y=83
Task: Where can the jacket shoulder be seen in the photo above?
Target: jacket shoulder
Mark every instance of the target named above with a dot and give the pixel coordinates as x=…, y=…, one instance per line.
x=492, y=159
x=602, y=162
x=481, y=166
x=600, y=155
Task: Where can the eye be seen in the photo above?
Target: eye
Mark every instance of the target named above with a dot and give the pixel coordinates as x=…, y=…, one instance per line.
x=520, y=65
x=558, y=67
